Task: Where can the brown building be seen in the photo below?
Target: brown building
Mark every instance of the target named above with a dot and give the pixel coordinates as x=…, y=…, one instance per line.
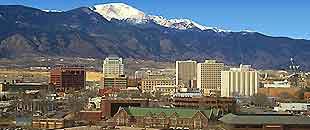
x=226, y=104
x=109, y=92
x=67, y=79
x=265, y=122
x=114, y=92
x=278, y=92
x=110, y=106
x=307, y=95
x=132, y=82
x=92, y=116
x=175, y=118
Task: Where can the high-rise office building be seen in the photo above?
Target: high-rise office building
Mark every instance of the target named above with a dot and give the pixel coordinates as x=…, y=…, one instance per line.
x=186, y=73
x=241, y=81
x=209, y=77
x=113, y=67
x=68, y=79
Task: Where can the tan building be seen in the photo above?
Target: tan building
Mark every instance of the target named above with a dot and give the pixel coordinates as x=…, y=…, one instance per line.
x=186, y=71
x=113, y=67
x=1, y=87
x=115, y=82
x=49, y=123
x=209, y=76
x=148, y=85
x=165, y=89
x=241, y=81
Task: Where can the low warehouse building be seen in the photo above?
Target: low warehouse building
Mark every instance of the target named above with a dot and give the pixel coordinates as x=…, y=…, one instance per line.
x=265, y=122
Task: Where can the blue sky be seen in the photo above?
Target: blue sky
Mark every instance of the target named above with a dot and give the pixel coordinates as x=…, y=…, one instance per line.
x=289, y=18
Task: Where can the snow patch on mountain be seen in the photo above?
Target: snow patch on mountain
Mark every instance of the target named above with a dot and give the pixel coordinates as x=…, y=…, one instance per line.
x=118, y=11
x=121, y=11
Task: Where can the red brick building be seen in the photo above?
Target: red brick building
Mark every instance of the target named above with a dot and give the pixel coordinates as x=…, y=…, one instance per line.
x=67, y=79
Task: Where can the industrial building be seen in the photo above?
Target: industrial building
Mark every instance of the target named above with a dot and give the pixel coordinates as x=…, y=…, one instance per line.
x=241, y=81
x=265, y=122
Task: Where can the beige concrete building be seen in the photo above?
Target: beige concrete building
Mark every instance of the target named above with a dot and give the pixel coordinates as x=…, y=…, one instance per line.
x=149, y=85
x=209, y=76
x=186, y=72
x=241, y=81
x=1, y=87
x=113, y=67
x=115, y=82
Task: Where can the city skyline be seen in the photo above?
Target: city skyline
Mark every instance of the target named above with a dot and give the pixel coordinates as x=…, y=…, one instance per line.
x=155, y=65
x=273, y=18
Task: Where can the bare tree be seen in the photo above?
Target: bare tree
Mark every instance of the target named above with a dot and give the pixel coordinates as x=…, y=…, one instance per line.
x=78, y=100
x=285, y=96
x=147, y=95
x=261, y=100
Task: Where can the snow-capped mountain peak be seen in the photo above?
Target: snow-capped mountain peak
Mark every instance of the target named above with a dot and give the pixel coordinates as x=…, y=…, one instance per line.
x=118, y=11
x=176, y=23
x=121, y=11
x=188, y=23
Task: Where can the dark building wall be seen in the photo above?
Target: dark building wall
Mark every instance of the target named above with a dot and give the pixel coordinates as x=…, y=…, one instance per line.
x=110, y=106
x=226, y=104
x=23, y=87
x=68, y=79
x=90, y=115
x=116, y=106
x=266, y=127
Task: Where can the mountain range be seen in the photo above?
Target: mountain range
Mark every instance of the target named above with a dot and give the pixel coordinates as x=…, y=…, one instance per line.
x=120, y=29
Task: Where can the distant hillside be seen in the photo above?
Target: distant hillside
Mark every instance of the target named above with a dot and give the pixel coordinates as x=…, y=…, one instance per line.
x=29, y=32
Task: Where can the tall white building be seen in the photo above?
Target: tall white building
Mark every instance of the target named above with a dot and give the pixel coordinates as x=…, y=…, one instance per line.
x=241, y=81
x=209, y=76
x=113, y=67
x=186, y=72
